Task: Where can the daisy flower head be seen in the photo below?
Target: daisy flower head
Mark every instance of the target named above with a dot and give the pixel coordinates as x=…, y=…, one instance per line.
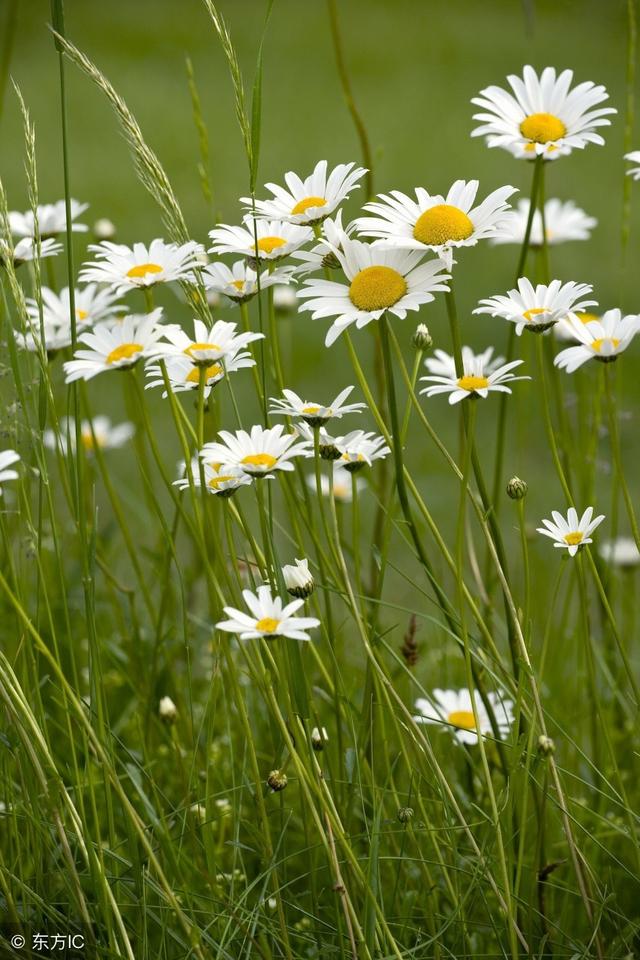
x=465, y=717
x=93, y=304
x=562, y=222
x=7, y=459
x=476, y=380
x=56, y=337
x=267, y=240
x=219, y=479
x=603, y=338
x=108, y=436
x=621, y=552
x=359, y=449
x=342, y=484
x=311, y=200
x=51, y=218
x=633, y=157
x=543, y=116
x=116, y=345
x=183, y=374
x=239, y=282
x=571, y=533
x=443, y=365
x=322, y=255
x=126, y=268
x=207, y=344
x=379, y=279
x=435, y=222
x=538, y=308
x=26, y=250
x=315, y=414
x=267, y=618
x=298, y=579
x=259, y=452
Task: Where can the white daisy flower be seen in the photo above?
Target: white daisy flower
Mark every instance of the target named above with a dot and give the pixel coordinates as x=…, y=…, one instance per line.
x=342, y=484
x=207, y=345
x=571, y=533
x=108, y=436
x=267, y=618
x=475, y=380
x=55, y=338
x=239, y=283
x=259, y=452
x=52, y=220
x=272, y=241
x=435, y=222
x=443, y=365
x=379, y=279
x=315, y=414
x=633, y=157
x=563, y=222
x=621, y=552
x=27, y=249
x=7, y=460
x=93, y=304
x=538, y=308
x=311, y=200
x=184, y=375
x=126, y=268
x=298, y=579
x=601, y=339
x=359, y=448
x=322, y=254
x=220, y=479
x=116, y=345
x=542, y=117
x=455, y=708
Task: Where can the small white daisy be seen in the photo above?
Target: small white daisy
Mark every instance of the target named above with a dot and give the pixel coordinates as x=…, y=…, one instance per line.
x=93, y=304
x=127, y=268
x=443, y=365
x=311, y=200
x=455, y=708
x=542, y=117
x=7, y=460
x=27, y=249
x=52, y=220
x=563, y=222
x=621, y=552
x=239, y=283
x=603, y=339
x=220, y=479
x=184, y=375
x=207, y=345
x=359, y=448
x=633, y=157
x=475, y=380
x=322, y=255
x=108, y=436
x=538, y=308
x=311, y=412
x=268, y=618
x=298, y=579
x=116, y=345
x=342, y=484
x=435, y=222
x=259, y=452
x=572, y=533
x=379, y=279
x=55, y=338
x=272, y=241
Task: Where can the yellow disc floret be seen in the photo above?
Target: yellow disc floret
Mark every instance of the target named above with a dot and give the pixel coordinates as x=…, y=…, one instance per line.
x=470, y=382
x=585, y=317
x=377, y=288
x=142, y=269
x=191, y=349
x=81, y=314
x=269, y=244
x=462, y=718
x=542, y=127
x=267, y=625
x=125, y=351
x=573, y=539
x=209, y=372
x=303, y=205
x=534, y=312
x=597, y=345
x=442, y=224
x=259, y=460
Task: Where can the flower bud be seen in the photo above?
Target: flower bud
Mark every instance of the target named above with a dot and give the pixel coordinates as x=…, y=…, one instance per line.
x=277, y=781
x=546, y=746
x=167, y=710
x=104, y=229
x=422, y=339
x=319, y=737
x=298, y=579
x=330, y=261
x=517, y=488
x=405, y=814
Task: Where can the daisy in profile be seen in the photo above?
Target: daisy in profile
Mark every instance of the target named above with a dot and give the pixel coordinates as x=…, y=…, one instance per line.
x=476, y=380
x=359, y=449
x=603, y=339
x=311, y=200
x=434, y=222
x=108, y=436
x=379, y=279
x=184, y=375
x=27, y=249
x=259, y=452
x=621, y=552
x=126, y=268
x=564, y=329
x=633, y=157
x=207, y=345
x=268, y=240
x=571, y=533
x=220, y=480
x=51, y=217
x=315, y=414
x=538, y=308
x=298, y=579
x=239, y=282
x=443, y=365
x=563, y=222
x=116, y=345
x=464, y=717
x=93, y=304
x=267, y=618
x=7, y=459
x=322, y=256
x=342, y=484
x=543, y=116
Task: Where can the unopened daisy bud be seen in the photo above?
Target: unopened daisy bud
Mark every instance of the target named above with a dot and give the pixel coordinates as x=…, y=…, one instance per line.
x=517, y=488
x=167, y=710
x=277, y=781
x=104, y=229
x=298, y=579
x=330, y=261
x=405, y=814
x=319, y=737
x=329, y=451
x=546, y=746
x=422, y=339
x=284, y=298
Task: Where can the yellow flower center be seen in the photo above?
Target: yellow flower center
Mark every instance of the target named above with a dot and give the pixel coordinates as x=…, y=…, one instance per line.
x=269, y=244
x=311, y=410
x=87, y=440
x=267, y=625
x=376, y=288
x=260, y=460
x=530, y=315
x=542, y=127
x=239, y=284
x=216, y=482
x=142, y=269
x=470, y=382
x=353, y=457
x=81, y=314
x=462, y=718
x=190, y=350
x=598, y=344
x=303, y=205
x=124, y=352
x=584, y=317
x=573, y=539
x=213, y=371
x=442, y=223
